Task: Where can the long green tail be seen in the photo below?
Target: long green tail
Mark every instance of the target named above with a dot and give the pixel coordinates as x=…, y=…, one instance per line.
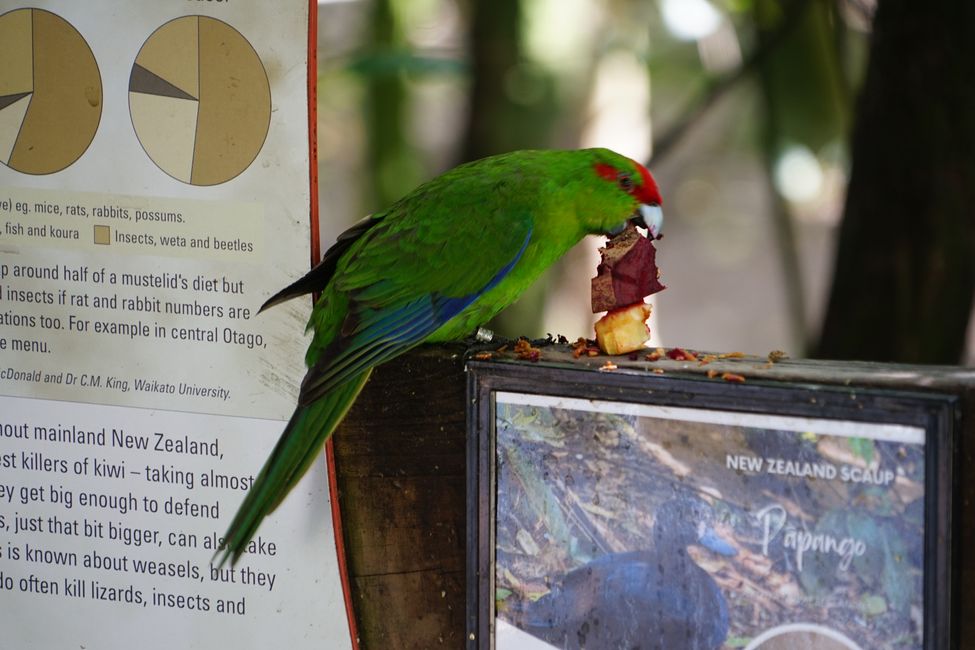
x=297, y=448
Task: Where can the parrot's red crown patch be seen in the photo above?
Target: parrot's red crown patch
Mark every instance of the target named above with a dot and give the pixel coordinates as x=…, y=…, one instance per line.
x=645, y=191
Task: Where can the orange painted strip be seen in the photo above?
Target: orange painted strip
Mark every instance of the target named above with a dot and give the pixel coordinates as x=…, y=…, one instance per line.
x=316, y=253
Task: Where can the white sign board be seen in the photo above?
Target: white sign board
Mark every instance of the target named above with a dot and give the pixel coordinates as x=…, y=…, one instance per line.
x=154, y=190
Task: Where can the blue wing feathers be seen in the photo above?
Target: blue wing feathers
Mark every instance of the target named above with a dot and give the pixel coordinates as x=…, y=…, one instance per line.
x=493, y=282
x=378, y=334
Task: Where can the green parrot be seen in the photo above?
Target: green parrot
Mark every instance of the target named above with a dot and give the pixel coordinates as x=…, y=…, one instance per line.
x=436, y=265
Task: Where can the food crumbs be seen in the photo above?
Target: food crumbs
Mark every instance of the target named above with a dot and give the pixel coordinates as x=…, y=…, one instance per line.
x=657, y=371
x=712, y=373
x=483, y=356
x=776, y=355
x=579, y=347
x=731, y=355
x=583, y=346
x=680, y=354
x=524, y=350
x=609, y=365
x=653, y=356
x=732, y=377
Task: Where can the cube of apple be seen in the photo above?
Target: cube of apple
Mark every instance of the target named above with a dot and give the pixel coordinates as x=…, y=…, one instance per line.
x=623, y=330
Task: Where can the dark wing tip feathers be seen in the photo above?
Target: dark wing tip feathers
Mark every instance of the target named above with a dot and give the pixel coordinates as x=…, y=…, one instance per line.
x=318, y=278
x=284, y=295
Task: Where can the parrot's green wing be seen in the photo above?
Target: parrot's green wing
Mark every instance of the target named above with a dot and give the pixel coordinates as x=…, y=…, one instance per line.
x=319, y=277
x=401, y=289
x=386, y=289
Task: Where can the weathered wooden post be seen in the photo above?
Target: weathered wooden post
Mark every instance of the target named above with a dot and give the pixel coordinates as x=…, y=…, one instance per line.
x=400, y=459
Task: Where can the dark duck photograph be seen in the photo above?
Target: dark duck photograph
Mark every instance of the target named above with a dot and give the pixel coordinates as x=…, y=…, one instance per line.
x=648, y=599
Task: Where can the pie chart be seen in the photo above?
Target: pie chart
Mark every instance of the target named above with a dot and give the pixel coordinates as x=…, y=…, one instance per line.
x=200, y=100
x=50, y=92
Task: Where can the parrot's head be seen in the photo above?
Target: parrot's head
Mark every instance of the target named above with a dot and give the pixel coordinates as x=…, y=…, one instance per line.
x=624, y=191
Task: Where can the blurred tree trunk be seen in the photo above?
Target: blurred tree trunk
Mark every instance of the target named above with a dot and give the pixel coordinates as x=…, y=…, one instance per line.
x=799, y=81
x=495, y=42
x=493, y=124
x=905, y=265
x=388, y=152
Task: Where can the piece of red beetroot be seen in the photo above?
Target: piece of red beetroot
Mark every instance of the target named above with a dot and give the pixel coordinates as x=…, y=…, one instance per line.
x=627, y=273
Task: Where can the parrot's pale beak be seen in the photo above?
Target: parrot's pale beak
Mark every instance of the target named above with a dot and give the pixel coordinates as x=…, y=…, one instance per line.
x=652, y=217
x=647, y=216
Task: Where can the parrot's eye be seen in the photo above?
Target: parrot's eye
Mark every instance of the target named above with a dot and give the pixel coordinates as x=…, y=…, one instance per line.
x=625, y=182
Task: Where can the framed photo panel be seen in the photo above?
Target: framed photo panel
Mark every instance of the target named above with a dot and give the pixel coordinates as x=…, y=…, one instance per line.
x=628, y=510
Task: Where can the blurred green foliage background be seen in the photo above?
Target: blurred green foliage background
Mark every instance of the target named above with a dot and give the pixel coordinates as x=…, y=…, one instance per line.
x=749, y=114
